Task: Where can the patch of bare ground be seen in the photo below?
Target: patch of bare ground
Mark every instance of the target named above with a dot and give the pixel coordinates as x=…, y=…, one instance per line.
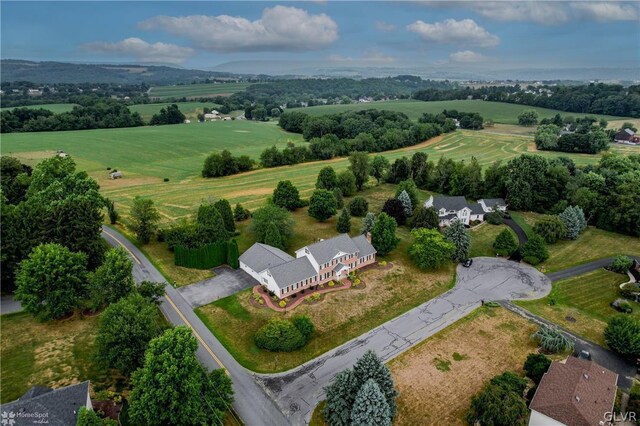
x=437, y=379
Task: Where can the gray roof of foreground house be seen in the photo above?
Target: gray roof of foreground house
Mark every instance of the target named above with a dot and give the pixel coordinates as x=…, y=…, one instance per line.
x=490, y=202
x=476, y=208
x=60, y=406
x=261, y=256
x=449, y=203
x=365, y=248
x=292, y=272
x=324, y=251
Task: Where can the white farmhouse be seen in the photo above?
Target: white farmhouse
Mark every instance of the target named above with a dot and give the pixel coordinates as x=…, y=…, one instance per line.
x=457, y=207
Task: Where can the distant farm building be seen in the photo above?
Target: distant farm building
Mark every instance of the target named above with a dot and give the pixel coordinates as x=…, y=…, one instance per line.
x=115, y=175
x=627, y=136
x=61, y=154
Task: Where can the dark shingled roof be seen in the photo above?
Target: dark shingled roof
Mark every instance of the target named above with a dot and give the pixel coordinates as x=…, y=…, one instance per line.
x=261, y=256
x=60, y=406
x=576, y=393
x=364, y=246
x=326, y=250
x=449, y=203
x=292, y=272
x=490, y=202
x=476, y=208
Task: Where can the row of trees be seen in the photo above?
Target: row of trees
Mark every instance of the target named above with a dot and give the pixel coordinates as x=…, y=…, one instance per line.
x=466, y=120
x=102, y=114
x=225, y=164
x=594, y=98
x=589, y=140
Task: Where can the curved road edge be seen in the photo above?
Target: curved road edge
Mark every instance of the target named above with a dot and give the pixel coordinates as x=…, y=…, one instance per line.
x=251, y=403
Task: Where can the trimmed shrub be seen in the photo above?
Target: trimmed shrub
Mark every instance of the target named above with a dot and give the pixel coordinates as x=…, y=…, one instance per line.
x=495, y=217
x=304, y=325
x=358, y=207
x=205, y=257
x=551, y=228
x=622, y=334
x=281, y=335
x=535, y=366
x=621, y=264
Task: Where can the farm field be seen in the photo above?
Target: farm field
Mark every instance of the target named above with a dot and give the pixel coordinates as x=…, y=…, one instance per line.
x=498, y=112
x=189, y=109
x=592, y=244
x=581, y=304
x=150, y=153
x=55, y=108
x=197, y=90
x=176, y=199
x=437, y=378
x=55, y=353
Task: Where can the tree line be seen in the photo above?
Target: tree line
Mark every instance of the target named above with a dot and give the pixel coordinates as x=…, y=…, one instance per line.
x=593, y=98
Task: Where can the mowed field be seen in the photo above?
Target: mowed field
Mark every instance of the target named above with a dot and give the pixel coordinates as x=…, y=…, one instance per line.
x=498, y=112
x=197, y=90
x=150, y=153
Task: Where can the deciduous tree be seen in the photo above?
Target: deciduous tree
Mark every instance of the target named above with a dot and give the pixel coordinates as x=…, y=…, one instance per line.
x=622, y=334
x=429, y=249
x=358, y=206
x=273, y=237
x=394, y=208
x=551, y=228
x=347, y=183
x=271, y=213
x=286, y=195
x=327, y=179
x=383, y=234
x=360, y=167
x=426, y=217
x=379, y=167
x=322, y=205
x=112, y=280
x=144, y=218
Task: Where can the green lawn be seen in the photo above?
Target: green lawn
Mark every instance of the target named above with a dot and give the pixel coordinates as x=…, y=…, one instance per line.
x=581, y=304
x=196, y=90
x=592, y=244
x=189, y=109
x=498, y=112
x=482, y=239
x=55, y=108
x=55, y=353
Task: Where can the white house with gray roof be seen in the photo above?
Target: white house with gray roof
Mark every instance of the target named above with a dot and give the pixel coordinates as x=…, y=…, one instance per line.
x=318, y=263
x=457, y=207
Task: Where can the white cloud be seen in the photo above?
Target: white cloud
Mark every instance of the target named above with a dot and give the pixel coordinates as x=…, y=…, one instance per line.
x=279, y=28
x=143, y=51
x=546, y=13
x=463, y=32
x=467, y=56
x=384, y=26
x=606, y=12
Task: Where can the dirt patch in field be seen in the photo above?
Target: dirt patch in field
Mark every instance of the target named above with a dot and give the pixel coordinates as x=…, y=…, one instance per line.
x=242, y=131
x=531, y=147
x=248, y=192
x=437, y=379
x=109, y=184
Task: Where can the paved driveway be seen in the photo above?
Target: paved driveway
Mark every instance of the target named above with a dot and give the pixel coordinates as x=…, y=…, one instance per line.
x=226, y=282
x=9, y=305
x=298, y=391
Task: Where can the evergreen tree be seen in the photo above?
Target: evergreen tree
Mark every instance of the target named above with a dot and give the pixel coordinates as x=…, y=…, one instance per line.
x=370, y=407
x=505, y=243
x=233, y=254
x=368, y=222
x=347, y=183
x=535, y=366
x=327, y=179
x=286, y=195
x=369, y=366
x=358, y=206
x=240, y=213
x=406, y=203
x=383, y=234
x=457, y=234
x=426, y=217
x=408, y=186
x=341, y=395
x=224, y=208
x=344, y=222
x=210, y=224
x=272, y=236
x=360, y=167
x=337, y=192
x=622, y=334
x=534, y=250
x=574, y=221
x=113, y=214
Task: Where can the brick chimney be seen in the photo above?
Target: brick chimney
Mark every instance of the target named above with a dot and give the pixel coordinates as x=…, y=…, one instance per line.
x=368, y=236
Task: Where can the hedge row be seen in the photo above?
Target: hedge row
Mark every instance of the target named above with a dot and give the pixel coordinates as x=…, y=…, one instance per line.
x=208, y=256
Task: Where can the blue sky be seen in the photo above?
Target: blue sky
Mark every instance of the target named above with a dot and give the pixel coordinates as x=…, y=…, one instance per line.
x=492, y=35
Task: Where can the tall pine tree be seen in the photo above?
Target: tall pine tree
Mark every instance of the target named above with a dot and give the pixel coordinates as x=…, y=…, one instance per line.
x=370, y=407
x=341, y=395
x=457, y=234
x=344, y=221
x=272, y=236
x=369, y=366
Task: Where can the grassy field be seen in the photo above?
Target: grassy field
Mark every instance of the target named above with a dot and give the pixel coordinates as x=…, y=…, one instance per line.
x=55, y=353
x=189, y=109
x=196, y=90
x=341, y=315
x=148, y=154
x=482, y=239
x=55, y=108
x=497, y=112
x=581, y=304
x=437, y=378
x=592, y=244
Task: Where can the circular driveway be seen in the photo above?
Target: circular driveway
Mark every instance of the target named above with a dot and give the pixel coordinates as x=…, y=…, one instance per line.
x=493, y=278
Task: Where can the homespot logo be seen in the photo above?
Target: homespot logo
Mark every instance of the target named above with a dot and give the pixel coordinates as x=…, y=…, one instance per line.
x=12, y=418
x=613, y=417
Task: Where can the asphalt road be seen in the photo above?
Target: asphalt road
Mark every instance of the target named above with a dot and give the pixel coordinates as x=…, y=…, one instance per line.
x=298, y=391
x=581, y=269
x=251, y=402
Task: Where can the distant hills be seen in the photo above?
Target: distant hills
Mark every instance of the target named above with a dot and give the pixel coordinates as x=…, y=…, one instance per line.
x=61, y=72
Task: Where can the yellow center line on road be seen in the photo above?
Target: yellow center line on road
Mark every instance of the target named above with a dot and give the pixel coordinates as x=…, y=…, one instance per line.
x=195, y=333
x=125, y=247
x=173, y=305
